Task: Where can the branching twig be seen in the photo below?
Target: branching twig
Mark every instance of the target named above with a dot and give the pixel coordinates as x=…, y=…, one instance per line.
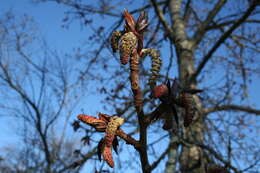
x=222, y=39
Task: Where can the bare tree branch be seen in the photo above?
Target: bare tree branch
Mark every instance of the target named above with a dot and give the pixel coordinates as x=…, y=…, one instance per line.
x=162, y=19
x=226, y=23
x=79, y=162
x=223, y=38
x=38, y=124
x=232, y=108
x=198, y=35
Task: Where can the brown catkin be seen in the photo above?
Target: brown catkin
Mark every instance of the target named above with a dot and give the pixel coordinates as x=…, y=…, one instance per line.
x=156, y=64
x=114, y=123
x=116, y=35
x=112, y=126
x=127, y=44
x=107, y=155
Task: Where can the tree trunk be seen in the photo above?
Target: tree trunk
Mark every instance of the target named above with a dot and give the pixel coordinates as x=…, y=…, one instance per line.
x=171, y=162
x=191, y=160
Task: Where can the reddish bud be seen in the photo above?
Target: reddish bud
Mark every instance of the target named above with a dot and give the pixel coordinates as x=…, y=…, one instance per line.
x=107, y=155
x=89, y=119
x=160, y=90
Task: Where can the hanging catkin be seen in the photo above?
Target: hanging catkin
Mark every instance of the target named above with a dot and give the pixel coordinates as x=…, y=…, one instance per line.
x=116, y=35
x=112, y=126
x=156, y=65
x=127, y=44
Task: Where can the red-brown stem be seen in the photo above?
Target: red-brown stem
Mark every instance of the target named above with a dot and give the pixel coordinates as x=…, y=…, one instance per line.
x=134, y=77
x=138, y=102
x=128, y=139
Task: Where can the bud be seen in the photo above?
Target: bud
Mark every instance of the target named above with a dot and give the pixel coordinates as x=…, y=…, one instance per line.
x=160, y=90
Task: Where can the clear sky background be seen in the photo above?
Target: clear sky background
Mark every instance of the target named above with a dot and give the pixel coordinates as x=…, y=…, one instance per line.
x=49, y=18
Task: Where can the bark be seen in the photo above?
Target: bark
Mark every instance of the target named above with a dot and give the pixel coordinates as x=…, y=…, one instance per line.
x=190, y=159
x=171, y=162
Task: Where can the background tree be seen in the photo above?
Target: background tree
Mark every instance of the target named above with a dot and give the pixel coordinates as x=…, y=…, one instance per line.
x=39, y=92
x=211, y=45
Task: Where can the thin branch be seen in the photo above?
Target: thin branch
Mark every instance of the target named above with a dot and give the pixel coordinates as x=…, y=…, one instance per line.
x=187, y=12
x=223, y=39
x=79, y=162
x=226, y=23
x=232, y=108
x=256, y=162
x=38, y=124
x=148, y=6
x=171, y=61
x=162, y=156
x=202, y=28
x=143, y=141
x=91, y=10
x=128, y=139
x=159, y=12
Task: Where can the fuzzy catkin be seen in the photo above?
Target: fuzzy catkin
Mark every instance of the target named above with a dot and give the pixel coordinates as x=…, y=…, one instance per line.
x=156, y=64
x=115, y=39
x=128, y=43
x=112, y=126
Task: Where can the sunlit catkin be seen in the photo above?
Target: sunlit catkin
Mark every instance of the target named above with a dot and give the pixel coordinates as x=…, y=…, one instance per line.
x=156, y=64
x=127, y=44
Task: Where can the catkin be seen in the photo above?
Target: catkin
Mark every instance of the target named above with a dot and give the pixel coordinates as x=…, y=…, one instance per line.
x=111, y=129
x=156, y=64
x=128, y=43
x=115, y=39
x=112, y=126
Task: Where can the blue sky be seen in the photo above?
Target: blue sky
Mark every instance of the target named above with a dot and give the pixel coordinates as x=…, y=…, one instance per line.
x=49, y=18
